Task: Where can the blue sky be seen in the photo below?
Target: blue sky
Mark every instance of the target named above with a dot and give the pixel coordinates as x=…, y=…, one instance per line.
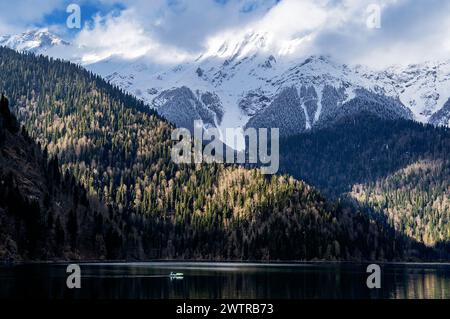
x=89, y=9
x=411, y=30
x=92, y=8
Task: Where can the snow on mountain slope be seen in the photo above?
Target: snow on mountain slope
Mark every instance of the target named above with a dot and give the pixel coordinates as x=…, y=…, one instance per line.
x=424, y=88
x=442, y=117
x=36, y=41
x=247, y=85
x=240, y=82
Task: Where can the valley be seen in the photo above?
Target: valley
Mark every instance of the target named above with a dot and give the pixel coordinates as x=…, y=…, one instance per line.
x=347, y=131
x=119, y=152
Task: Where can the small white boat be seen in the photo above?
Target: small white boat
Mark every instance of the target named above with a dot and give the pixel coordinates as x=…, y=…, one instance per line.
x=176, y=275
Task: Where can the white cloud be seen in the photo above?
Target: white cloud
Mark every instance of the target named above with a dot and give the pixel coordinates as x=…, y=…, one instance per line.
x=293, y=26
x=411, y=32
x=170, y=31
x=122, y=36
x=19, y=14
x=166, y=31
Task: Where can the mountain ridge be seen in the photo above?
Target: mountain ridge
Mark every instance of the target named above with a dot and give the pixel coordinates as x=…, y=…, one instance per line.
x=119, y=151
x=35, y=41
x=161, y=210
x=245, y=79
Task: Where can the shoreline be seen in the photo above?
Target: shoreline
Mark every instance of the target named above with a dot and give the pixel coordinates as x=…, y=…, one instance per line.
x=214, y=263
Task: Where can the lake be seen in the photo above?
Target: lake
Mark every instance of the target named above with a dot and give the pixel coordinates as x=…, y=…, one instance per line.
x=225, y=280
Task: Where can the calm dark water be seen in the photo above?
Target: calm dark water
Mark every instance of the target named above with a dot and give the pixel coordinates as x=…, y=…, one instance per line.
x=225, y=280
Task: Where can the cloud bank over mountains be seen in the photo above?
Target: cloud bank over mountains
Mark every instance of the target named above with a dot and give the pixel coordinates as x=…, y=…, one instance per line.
x=173, y=31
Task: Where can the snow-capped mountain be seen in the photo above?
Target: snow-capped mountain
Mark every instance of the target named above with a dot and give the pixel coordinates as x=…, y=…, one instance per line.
x=424, y=88
x=36, y=41
x=241, y=83
x=266, y=91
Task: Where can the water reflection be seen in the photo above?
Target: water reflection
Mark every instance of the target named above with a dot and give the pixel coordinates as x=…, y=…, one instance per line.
x=221, y=280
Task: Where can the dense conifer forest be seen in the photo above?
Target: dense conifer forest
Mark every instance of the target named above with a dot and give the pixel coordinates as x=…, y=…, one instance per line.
x=399, y=169
x=44, y=213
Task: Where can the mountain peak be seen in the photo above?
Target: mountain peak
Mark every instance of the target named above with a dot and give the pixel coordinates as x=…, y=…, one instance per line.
x=34, y=40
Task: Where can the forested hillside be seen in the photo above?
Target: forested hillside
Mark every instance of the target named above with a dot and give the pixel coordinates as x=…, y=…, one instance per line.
x=416, y=200
x=43, y=214
x=399, y=169
x=120, y=153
